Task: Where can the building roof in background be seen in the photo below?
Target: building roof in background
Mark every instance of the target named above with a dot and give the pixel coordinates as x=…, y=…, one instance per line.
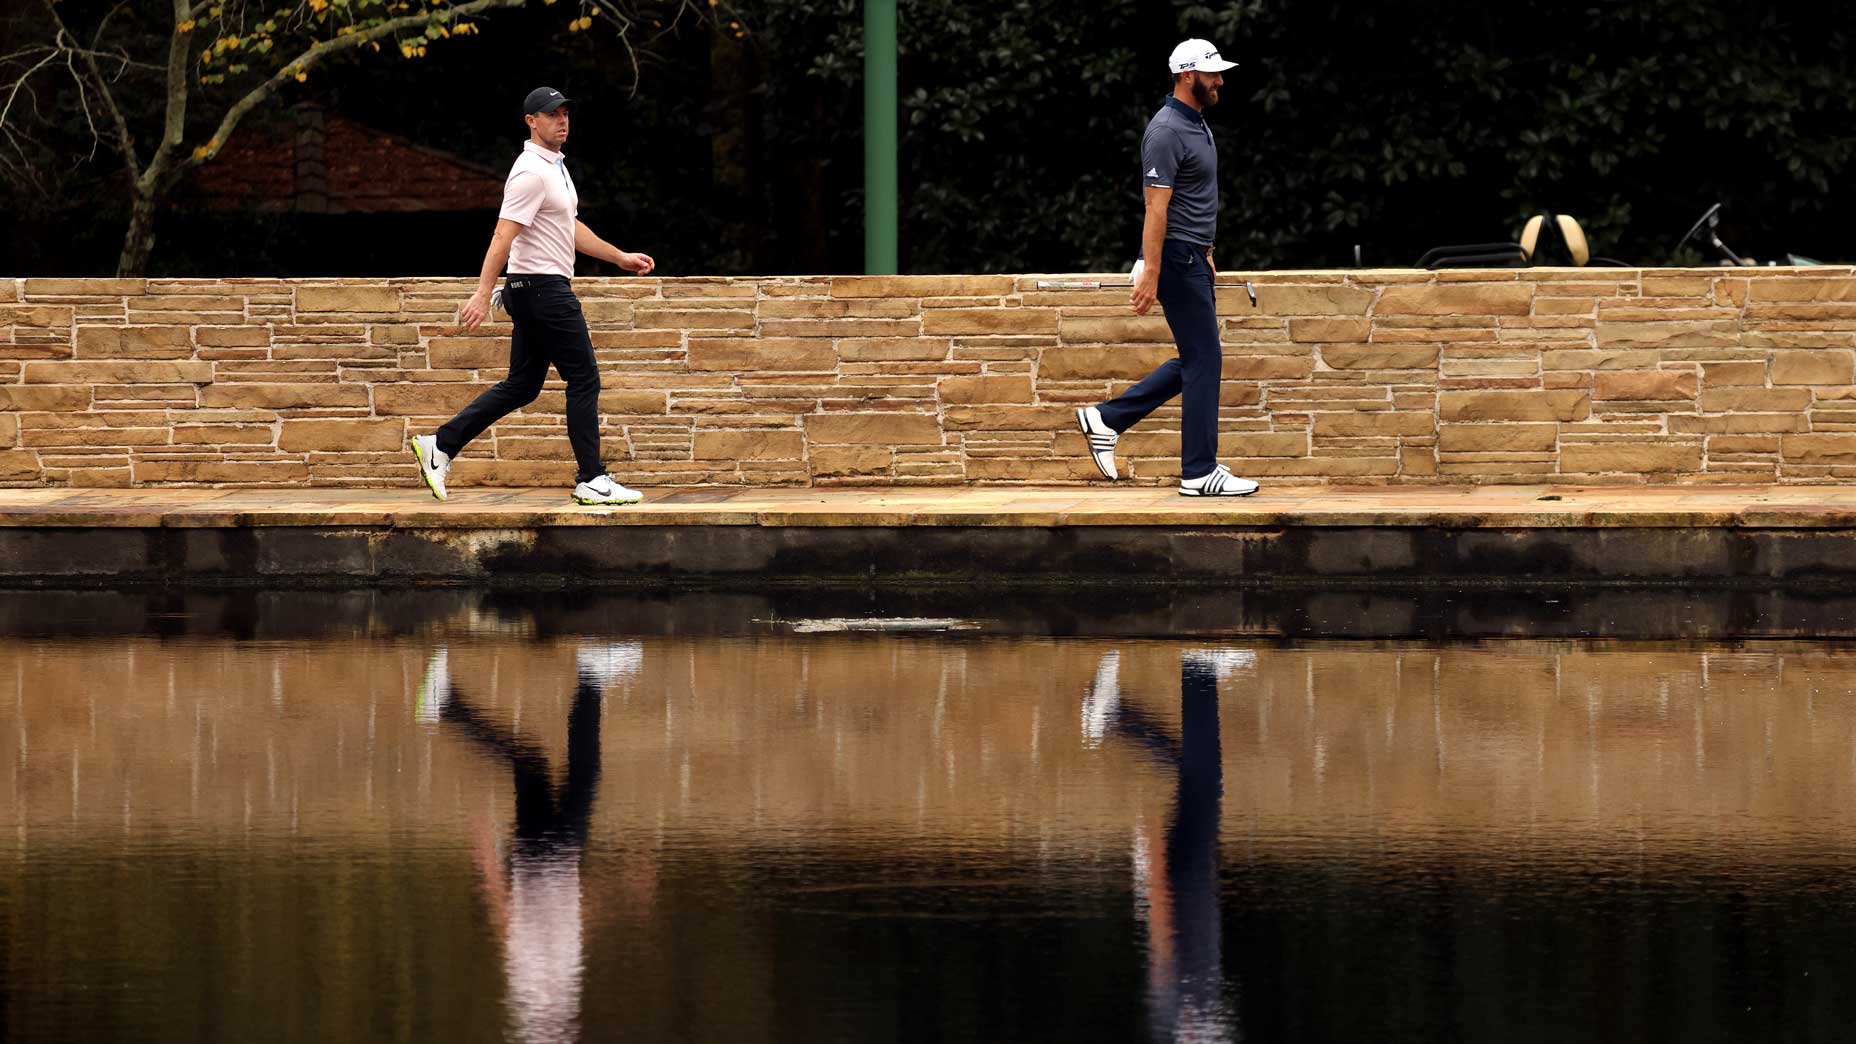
x=320, y=161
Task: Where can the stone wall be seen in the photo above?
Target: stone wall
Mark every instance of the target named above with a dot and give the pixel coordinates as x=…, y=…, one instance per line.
x=1541, y=375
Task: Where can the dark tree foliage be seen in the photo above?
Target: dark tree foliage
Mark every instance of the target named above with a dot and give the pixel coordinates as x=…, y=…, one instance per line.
x=1415, y=124
x=1395, y=127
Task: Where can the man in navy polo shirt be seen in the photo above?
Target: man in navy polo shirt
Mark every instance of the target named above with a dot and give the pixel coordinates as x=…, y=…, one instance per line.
x=1179, y=168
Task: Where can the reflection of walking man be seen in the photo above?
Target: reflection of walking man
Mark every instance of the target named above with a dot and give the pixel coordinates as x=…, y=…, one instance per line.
x=1179, y=879
x=536, y=235
x=538, y=895
x=1179, y=168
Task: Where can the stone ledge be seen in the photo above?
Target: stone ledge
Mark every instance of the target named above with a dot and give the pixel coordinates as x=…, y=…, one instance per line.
x=1453, y=507
x=1510, y=536
x=1110, y=556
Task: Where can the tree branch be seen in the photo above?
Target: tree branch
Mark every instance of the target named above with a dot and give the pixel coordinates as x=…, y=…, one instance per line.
x=125, y=142
x=51, y=55
x=103, y=24
x=174, y=133
x=22, y=54
x=314, y=55
x=83, y=101
x=625, y=22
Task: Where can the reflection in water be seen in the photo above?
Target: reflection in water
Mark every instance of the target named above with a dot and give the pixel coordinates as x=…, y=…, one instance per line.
x=1176, y=881
x=882, y=837
x=535, y=896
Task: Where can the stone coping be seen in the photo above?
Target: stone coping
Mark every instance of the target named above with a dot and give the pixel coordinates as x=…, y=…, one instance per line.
x=1459, y=507
x=850, y=283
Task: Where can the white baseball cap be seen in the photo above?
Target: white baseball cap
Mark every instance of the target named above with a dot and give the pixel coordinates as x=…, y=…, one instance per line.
x=1197, y=56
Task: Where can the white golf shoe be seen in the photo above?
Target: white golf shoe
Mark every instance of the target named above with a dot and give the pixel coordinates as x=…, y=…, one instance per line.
x=434, y=463
x=435, y=689
x=604, y=490
x=606, y=663
x=1218, y=482
x=1101, y=439
x=1103, y=699
x=1221, y=662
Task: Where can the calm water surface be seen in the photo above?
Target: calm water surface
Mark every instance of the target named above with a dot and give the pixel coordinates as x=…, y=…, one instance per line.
x=489, y=826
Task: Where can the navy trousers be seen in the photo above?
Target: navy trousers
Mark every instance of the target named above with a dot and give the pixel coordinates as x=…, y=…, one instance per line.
x=549, y=328
x=1186, y=293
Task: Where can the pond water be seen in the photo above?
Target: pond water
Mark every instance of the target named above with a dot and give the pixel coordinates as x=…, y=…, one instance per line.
x=496, y=825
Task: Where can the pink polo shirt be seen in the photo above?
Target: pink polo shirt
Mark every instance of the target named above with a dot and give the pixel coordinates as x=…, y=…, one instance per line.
x=540, y=197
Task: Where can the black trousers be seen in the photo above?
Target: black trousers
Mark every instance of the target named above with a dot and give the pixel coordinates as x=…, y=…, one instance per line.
x=549, y=328
x=551, y=818
x=1191, y=303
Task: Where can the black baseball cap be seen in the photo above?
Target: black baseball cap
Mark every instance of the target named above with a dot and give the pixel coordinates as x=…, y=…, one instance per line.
x=543, y=99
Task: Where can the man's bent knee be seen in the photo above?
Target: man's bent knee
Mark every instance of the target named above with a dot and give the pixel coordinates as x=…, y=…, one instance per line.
x=520, y=394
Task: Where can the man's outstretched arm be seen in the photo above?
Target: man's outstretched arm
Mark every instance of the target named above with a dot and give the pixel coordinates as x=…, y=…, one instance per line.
x=592, y=246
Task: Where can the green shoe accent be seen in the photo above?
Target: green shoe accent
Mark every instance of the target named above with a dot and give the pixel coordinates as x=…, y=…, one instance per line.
x=634, y=499
x=425, y=472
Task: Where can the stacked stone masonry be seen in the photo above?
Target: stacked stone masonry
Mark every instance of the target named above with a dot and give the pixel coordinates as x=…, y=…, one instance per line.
x=1545, y=375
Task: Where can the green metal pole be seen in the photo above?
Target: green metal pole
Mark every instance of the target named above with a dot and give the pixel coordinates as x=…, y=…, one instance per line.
x=880, y=212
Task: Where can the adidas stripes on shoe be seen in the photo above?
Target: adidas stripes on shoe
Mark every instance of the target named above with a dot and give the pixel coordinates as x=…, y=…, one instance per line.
x=1218, y=482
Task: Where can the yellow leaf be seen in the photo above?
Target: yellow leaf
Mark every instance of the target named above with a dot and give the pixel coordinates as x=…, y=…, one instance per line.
x=185, y=27
x=301, y=76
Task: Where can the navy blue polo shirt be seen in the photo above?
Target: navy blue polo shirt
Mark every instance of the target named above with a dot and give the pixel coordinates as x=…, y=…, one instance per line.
x=1177, y=153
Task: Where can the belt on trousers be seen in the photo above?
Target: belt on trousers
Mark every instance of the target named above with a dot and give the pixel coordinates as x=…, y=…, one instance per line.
x=1250, y=288
x=524, y=282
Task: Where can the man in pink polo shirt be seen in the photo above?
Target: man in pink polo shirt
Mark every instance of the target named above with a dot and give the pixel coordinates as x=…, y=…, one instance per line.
x=537, y=235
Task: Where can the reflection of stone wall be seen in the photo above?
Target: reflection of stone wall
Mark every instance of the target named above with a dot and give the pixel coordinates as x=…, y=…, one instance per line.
x=1515, y=745
x=747, y=738
x=772, y=742
x=1374, y=376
